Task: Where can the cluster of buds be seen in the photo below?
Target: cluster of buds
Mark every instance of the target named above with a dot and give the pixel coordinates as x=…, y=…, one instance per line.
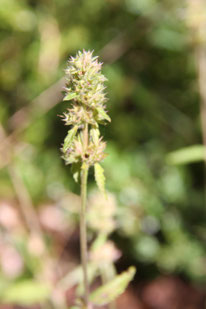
x=85, y=88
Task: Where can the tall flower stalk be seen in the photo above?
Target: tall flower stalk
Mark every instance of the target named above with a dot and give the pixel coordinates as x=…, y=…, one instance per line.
x=83, y=146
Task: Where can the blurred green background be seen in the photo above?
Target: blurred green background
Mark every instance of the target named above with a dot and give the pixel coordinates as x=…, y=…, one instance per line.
x=153, y=102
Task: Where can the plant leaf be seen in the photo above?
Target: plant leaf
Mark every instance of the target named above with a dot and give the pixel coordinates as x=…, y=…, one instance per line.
x=76, y=169
x=76, y=276
x=98, y=242
x=103, y=114
x=95, y=135
x=70, y=96
x=69, y=138
x=99, y=177
x=26, y=292
x=110, y=291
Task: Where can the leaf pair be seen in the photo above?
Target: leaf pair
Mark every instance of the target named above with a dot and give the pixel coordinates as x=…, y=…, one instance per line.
x=98, y=173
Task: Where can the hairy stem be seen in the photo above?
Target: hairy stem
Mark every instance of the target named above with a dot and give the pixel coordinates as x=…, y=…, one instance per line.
x=83, y=231
x=83, y=227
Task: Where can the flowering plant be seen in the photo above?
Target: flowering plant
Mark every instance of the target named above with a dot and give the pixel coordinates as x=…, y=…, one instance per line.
x=84, y=147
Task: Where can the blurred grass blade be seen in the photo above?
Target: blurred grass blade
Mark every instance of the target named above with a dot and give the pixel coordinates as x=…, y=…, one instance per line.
x=187, y=155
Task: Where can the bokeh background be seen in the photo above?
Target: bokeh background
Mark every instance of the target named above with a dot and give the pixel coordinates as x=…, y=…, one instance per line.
x=155, y=216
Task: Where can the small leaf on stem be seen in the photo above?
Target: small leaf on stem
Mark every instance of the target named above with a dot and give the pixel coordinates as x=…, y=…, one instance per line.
x=99, y=177
x=76, y=168
x=70, y=96
x=110, y=291
x=69, y=138
x=103, y=114
x=95, y=135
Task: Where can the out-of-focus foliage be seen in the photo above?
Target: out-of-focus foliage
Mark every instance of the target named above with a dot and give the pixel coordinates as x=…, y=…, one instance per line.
x=187, y=155
x=154, y=107
x=107, y=293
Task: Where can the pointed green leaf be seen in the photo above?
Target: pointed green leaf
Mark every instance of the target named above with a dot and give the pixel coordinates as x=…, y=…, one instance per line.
x=70, y=96
x=76, y=168
x=99, y=177
x=103, y=114
x=26, y=292
x=95, y=135
x=69, y=138
x=110, y=291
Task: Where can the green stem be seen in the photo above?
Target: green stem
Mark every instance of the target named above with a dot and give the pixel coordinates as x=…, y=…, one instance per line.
x=83, y=231
x=83, y=227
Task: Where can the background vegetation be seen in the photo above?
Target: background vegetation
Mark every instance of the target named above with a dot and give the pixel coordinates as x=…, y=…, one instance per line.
x=154, y=103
